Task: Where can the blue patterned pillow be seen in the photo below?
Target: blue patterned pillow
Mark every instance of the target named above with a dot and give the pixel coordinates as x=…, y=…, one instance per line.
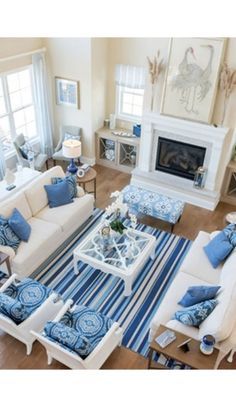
x=13, y=309
x=30, y=293
x=68, y=338
x=230, y=232
x=7, y=236
x=195, y=314
x=71, y=181
x=88, y=322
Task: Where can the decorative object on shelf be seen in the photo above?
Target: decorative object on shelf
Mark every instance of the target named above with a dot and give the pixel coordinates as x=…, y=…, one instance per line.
x=9, y=179
x=137, y=130
x=67, y=92
x=155, y=68
x=124, y=134
x=112, y=123
x=106, y=123
x=207, y=344
x=117, y=211
x=227, y=83
x=82, y=170
x=192, y=77
x=200, y=178
x=127, y=154
x=72, y=149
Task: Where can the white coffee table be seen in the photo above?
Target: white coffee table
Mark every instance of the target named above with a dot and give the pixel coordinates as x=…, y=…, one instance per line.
x=124, y=258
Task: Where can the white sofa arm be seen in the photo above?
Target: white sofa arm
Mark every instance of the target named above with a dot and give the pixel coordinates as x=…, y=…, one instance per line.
x=8, y=250
x=80, y=191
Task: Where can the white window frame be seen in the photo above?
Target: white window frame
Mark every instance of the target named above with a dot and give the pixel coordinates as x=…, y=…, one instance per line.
x=10, y=112
x=121, y=115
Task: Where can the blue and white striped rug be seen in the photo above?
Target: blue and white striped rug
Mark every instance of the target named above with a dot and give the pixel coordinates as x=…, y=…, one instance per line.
x=105, y=293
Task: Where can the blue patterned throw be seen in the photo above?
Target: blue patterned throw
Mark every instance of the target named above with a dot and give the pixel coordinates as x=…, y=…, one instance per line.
x=7, y=235
x=195, y=314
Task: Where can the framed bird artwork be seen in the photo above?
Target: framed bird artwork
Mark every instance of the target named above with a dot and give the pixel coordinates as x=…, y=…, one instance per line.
x=192, y=77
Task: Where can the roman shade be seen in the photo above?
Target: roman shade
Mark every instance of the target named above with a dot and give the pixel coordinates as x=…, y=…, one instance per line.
x=130, y=76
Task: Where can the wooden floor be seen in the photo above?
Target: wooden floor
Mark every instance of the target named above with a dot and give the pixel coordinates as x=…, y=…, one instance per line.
x=194, y=219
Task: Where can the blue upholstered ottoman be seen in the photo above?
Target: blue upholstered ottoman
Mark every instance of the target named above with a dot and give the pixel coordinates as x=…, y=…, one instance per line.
x=153, y=204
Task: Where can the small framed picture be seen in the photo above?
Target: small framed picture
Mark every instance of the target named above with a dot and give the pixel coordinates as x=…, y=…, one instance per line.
x=67, y=92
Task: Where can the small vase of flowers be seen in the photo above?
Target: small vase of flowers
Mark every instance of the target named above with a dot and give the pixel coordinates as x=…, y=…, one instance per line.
x=117, y=212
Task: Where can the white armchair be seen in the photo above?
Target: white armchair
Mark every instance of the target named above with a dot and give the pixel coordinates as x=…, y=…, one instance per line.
x=72, y=360
x=35, y=321
x=39, y=160
x=66, y=131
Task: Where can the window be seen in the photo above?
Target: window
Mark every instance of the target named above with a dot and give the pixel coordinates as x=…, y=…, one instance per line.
x=129, y=103
x=17, y=109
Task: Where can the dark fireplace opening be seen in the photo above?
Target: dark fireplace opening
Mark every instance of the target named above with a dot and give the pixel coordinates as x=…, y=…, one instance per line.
x=179, y=158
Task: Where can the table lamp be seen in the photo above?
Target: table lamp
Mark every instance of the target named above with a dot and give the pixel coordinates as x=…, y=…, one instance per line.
x=72, y=149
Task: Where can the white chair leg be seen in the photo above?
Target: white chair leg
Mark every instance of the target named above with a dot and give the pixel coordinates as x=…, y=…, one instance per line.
x=220, y=357
x=28, y=348
x=231, y=356
x=49, y=358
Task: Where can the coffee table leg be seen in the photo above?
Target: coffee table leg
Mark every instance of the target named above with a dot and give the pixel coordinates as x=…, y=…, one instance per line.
x=76, y=270
x=128, y=287
x=152, y=256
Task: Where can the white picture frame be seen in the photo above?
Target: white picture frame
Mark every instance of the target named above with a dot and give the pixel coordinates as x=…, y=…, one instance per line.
x=67, y=92
x=191, y=78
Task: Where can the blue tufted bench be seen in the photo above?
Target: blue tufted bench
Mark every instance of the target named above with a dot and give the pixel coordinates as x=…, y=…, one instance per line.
x=153, y=204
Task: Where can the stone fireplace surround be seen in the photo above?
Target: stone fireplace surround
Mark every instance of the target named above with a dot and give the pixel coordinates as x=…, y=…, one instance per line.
x=217, y=141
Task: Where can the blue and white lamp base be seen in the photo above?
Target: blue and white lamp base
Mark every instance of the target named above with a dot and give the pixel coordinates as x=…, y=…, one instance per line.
x=72, y=168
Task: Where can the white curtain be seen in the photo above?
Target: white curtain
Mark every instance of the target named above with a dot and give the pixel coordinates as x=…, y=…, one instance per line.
x=130, y=76
x=42, y=103
x=2, y=162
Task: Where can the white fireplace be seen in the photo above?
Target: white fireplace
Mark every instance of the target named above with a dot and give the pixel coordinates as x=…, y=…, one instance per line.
x=216, y=141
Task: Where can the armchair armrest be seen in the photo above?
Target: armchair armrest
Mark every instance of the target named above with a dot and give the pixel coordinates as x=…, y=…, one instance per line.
x=8, y=282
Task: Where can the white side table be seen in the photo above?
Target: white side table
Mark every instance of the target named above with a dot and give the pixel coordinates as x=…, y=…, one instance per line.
x=22, y=178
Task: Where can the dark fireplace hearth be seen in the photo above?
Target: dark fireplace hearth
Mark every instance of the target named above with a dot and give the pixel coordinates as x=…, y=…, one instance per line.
x=179, y=158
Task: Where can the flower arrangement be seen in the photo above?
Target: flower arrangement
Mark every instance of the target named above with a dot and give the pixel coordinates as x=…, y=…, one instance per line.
x=118, y=210
x=155, y=67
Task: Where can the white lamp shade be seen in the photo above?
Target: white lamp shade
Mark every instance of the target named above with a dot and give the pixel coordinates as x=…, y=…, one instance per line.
x=71, y=148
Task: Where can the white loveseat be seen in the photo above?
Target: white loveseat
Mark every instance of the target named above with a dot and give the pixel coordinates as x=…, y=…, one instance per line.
x=196, y=270
x=49, y=226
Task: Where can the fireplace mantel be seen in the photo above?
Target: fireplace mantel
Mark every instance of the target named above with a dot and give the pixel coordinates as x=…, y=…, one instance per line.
x=218, y=145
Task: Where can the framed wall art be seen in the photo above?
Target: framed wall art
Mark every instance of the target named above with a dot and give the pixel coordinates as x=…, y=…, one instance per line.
x=191, y=79
x=67, y=92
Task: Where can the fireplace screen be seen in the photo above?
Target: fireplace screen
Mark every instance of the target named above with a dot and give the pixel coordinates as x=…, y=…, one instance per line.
x=179, y=158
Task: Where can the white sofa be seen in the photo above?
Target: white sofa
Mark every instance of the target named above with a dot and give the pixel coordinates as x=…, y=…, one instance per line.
x=49, y=226
x=196, y=270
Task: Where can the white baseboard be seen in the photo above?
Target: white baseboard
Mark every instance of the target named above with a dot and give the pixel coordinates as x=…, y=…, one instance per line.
x=86, y=160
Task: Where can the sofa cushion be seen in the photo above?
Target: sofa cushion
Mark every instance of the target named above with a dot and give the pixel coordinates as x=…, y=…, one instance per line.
x=197, y=264
x=58, y=194
x=69, y=338
x=35, y=192
x=71, y=181
x=194, y=315
x=218, y=249
x=7, y=235
x=19, y=201
x=196, y=294
x=19, y=225
x=13, y=309
x=32, y=253
x=68, y=216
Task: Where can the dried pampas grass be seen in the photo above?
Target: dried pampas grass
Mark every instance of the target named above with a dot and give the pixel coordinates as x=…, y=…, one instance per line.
x=227, y=83
x=155, y=68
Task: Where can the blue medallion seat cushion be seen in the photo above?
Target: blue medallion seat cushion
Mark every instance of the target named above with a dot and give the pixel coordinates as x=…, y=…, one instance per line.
x=19, y=225
x=68, y=338
x=89, y=324
x=7, y=235
x=153, y=204
x=196, y=314
x=70, y=180
x=196, y=294
x=219, y=248
x=13, y=309
x=58, y=194
x=29, y=293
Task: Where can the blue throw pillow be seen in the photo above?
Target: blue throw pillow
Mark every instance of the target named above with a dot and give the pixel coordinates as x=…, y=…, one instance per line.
x=58, y=194
x=19, y=225
x=230, y=232
x=7, y=235
x=196, y=294
x=195, y=315
x=13, y=309
x=72, y=183
x=68, y=337
x=218, y=249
